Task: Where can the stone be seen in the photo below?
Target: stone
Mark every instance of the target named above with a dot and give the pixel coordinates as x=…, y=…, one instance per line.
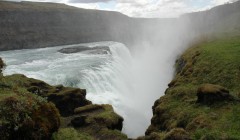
x=86, y=49
x=209, y=94
x=79, y=121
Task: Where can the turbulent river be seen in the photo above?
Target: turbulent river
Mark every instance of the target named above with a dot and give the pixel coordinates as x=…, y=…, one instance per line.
x=109, y=78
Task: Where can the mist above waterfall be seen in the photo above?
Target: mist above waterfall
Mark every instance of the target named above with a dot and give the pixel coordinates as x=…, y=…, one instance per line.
x=130, y=81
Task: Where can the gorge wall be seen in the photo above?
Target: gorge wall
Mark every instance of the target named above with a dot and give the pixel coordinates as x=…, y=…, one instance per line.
x=34, y=25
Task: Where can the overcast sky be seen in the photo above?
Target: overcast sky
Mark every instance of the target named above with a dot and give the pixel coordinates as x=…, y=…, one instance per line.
x=144, y=8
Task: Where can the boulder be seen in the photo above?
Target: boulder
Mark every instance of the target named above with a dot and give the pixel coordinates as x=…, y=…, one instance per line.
x=2, y=65
x=102, y=115
x=209, y=94
x=27, y=117
x=68, y=99
x=79, y=121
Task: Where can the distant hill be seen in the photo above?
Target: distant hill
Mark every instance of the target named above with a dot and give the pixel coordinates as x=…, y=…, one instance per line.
x=33, y=25
x=223, y=18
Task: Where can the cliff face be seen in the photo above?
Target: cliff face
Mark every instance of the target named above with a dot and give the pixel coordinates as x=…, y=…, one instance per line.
x=33, y=25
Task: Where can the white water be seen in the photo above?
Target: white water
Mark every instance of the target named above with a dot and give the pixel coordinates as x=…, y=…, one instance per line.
x=115, y=78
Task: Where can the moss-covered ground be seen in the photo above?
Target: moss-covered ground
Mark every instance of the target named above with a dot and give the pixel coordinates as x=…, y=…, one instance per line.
x=215, y=61
x=24, y=115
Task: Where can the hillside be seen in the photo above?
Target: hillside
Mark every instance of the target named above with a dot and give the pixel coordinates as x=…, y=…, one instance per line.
x=34, y=25
x=202, y=101
x=221, y=19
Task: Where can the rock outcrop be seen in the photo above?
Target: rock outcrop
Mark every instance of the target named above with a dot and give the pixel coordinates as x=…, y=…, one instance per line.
x=24, y=115
x=2, y=65
x=209, y=94
x=86, y=50
x=99, y=121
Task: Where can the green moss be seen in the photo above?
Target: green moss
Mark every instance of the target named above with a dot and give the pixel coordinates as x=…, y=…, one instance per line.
x=27, y=116
x=71, y=134
x=154, y=136
x=88, y=108
x=100, y=114
x=108, y=116
x=112, y=134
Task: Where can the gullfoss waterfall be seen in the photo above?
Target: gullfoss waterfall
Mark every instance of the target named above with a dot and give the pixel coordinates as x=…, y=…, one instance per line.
x=116, y=78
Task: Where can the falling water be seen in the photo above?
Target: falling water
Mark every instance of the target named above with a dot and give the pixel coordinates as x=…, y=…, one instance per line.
x=108, y=78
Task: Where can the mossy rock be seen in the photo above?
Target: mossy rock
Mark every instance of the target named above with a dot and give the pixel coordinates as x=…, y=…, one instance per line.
x=27, y=116
x=153, y=136
x=88, y=108
x=98, y=121
x=209, y=94
x=2, y=65
x=66, y=99
x=102, y=115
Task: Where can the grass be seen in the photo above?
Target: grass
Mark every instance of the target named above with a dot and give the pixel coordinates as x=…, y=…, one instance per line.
x=70, y=134
x=215, y=61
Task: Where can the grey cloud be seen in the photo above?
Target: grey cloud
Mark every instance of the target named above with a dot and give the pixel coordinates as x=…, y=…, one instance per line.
x=87, y=1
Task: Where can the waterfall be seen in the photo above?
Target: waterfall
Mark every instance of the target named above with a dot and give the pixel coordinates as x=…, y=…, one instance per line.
x=108, y=78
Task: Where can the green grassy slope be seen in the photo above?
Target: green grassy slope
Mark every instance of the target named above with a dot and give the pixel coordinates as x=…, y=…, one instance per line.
x=215, y=61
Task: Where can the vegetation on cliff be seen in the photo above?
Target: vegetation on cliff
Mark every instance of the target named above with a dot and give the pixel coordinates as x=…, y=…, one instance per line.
x=24, y=115
x=203, y=98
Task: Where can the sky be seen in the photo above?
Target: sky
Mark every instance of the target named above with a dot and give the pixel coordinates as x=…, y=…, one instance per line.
x=144, y=8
